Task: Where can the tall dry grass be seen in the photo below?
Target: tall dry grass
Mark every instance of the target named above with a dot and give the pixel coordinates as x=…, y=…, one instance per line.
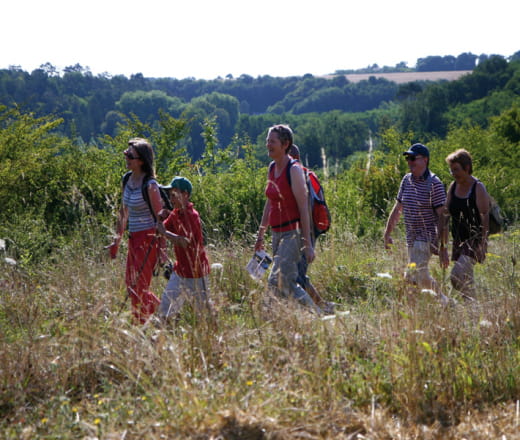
x=394, y=363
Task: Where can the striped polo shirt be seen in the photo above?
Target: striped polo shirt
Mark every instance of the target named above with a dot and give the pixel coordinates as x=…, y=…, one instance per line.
x=139, y=216
x=420, y=196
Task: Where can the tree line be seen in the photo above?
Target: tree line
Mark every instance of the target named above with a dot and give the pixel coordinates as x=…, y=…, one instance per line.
x=94, y=106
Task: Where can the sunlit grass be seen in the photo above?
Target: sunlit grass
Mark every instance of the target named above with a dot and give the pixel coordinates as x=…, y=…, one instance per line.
x=394, y=363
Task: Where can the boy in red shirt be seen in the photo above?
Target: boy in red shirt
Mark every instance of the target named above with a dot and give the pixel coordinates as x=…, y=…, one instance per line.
x=189, y=278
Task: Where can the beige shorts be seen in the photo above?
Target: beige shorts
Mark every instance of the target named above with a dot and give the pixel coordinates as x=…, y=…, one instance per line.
x=418, y=258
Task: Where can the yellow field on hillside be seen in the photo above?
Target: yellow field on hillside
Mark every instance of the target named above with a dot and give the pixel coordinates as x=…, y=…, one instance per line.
x=404, y=77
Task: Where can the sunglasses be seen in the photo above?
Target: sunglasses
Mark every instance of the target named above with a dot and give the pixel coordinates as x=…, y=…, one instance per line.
x=411, y=158
x=130, y=155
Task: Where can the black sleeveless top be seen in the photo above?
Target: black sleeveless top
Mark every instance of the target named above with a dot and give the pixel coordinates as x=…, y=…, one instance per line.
x=465, y=223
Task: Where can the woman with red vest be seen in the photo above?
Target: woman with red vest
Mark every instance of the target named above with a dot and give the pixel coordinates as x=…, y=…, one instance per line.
x=286, y=211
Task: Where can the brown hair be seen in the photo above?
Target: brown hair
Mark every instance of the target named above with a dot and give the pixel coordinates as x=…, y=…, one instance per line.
x=145, y=151
x=284, y=133
x=462, y=157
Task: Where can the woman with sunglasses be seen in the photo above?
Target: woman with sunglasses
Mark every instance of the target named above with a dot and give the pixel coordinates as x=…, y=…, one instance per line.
x=468, y=206
x=421, y=198
x=136, y=212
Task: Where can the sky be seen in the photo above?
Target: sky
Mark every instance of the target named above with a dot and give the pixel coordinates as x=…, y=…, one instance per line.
x=207, y=39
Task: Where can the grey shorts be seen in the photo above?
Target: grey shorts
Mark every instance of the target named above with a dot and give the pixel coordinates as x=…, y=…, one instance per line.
x=179, y=290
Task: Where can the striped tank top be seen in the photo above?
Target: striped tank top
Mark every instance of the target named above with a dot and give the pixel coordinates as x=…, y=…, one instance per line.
x=139, y=216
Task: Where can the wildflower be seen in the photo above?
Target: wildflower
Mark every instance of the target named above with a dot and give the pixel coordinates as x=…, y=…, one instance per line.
x=412, y=265
x=384, y=275
x=74, y=409
x=249, y=383
x=429, y=291
x=44, y=420
x=97, y=421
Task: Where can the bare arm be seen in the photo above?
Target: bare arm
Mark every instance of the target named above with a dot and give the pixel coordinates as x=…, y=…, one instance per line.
x=442, y=233
x=264, y=223
x=443, y=230
x=483, y=203
x=122, y=219
x=444, y=220
x=155, y=199
x=393, y=218
x=176, y=239
x=300, y=192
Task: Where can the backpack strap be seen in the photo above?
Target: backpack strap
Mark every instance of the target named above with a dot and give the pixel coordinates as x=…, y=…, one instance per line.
x=144, y=190
x=287, y=170
x=146, y=196
x=125, y=178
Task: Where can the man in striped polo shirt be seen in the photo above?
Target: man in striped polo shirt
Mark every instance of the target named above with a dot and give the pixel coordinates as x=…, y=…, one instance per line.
x=421, y=198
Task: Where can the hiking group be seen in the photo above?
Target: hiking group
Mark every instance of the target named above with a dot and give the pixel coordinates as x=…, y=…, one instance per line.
x=296, y=213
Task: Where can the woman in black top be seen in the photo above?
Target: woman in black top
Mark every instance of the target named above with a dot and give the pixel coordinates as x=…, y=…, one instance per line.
x=468, y=206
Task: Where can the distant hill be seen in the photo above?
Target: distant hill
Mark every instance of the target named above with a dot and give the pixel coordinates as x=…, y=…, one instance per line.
x=405, y=77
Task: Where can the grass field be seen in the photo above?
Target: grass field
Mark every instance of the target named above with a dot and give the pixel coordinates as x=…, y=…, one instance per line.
x=404, y=77
x=392, y=364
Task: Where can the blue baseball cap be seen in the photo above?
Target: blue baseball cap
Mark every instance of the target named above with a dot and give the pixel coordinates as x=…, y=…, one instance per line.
x=417, y=150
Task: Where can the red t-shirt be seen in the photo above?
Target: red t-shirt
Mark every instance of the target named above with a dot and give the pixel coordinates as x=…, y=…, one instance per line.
x=191, y=261
x=284, y=214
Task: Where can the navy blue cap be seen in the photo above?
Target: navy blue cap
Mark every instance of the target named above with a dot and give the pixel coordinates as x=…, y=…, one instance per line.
x=417, y=150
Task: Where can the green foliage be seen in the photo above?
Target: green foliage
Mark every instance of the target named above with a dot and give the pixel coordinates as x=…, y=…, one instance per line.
x=228, y=188
x=481, y=110
x=26, y=148
x=61, y=183
x=507, y=126
x=49, y=185
x=428, y=111
x=495, y=158
x=230, y=202
x=362, y=196
x=147, y=105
